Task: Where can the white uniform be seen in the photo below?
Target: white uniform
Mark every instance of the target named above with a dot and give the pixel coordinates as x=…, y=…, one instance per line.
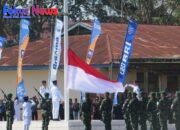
x=43, y=90
x=17, y=107
x=27, y=114
x=56, y=98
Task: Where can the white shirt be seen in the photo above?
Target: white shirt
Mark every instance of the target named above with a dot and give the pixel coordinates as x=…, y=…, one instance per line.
x=27, y=108
x=43, y=90
x=17, y=107
x=55, y=93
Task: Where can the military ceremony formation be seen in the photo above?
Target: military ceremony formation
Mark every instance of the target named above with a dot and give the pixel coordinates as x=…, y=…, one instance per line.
x=158, y=110
x=89, y=65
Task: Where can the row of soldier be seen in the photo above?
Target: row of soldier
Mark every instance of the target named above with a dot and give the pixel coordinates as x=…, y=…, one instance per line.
x=137, y=110
x=49, y=107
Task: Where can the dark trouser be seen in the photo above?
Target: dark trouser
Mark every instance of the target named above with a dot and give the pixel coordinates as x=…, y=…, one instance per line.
x=9, y=122
x=154, y=123
x=2, y=116
x=34, y=115
x=163, y=124
x=108, y=125
x=142, y=122
x=134, y=122
x=177, y=124
x=45, y=122
x=87, y=124
x=128, y=124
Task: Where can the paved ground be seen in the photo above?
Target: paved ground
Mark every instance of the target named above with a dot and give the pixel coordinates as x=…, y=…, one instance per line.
x=74, y=125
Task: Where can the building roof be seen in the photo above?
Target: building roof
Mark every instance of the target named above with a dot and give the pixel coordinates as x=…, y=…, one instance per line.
x=151, y=42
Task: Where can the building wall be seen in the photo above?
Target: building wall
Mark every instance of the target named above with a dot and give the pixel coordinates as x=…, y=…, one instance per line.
x=33, y=78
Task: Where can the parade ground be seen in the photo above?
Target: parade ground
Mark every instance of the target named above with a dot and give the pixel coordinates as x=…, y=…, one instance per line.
x=89, y=65
x=73, y=125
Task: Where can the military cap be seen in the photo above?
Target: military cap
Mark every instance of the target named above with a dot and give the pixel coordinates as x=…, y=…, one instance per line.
x=26, y=98
x=9, y=95
x=54, y=82
x=163, y=92
x=46, y=94
x=44, y=81
x=153, y=94
x=87, y=95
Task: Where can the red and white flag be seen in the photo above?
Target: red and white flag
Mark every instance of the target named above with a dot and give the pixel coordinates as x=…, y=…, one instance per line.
x=85, y=78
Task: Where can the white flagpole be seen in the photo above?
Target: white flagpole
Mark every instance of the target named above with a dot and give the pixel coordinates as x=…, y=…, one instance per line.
x=66, y=90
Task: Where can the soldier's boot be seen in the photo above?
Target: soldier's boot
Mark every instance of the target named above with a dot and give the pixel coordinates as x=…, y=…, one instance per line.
x=143, y=126
x=46, y=128
x=10, y=127
x=107, y=126
x=177, y=126
x=164, y=127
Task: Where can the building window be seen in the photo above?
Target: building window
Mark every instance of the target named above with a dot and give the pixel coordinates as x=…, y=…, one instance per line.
x=172, y=83
x=140, y=79
x=153, y=84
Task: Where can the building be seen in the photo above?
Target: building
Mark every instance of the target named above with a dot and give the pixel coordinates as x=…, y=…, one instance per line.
x=155, y=61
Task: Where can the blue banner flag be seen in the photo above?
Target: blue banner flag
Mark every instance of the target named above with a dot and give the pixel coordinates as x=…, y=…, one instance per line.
x=2, y=41
x=126, y=54
x=23, y=42
x=96, y=31
x=127, y=49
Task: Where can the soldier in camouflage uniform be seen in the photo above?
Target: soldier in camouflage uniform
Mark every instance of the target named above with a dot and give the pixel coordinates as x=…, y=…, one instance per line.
x=45, y=111
x=126, y=112
x=143, y=111
x=176, y=110
x=134, y=111
x=106, y=109
x=152, y=112
x=163, y=111
x=86, y=111
x=10, y=112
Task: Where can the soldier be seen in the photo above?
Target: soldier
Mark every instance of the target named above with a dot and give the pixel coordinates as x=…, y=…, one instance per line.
x=10, y=112
x=106, y=108
x=152, y=112
x=158, y=97
x=126, y=112
x=163, y=111
x=96, y=111
x=176, y=110
x=86, y=111
x=143, y=111
x=45, y=111
x=134, y=110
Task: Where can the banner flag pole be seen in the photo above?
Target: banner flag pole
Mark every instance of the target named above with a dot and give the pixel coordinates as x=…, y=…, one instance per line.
x=66, y=90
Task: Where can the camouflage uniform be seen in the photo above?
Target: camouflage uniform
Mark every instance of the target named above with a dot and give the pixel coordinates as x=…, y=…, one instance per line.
x=86, y=111
x=106, y=108
x=134, y=110
x=45, y=111
x=143, y=112
x=9, y=111
x=163, y=111
x=126, y=112
x=152, y=112
x=176, y=110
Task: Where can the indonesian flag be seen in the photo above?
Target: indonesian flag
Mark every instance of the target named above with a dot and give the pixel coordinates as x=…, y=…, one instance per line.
x=84, y=78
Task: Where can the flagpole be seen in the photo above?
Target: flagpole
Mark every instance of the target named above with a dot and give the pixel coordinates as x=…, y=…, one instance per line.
x=66, y=90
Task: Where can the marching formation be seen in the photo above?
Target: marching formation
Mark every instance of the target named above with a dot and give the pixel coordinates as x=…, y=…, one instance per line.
x=137, y=110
